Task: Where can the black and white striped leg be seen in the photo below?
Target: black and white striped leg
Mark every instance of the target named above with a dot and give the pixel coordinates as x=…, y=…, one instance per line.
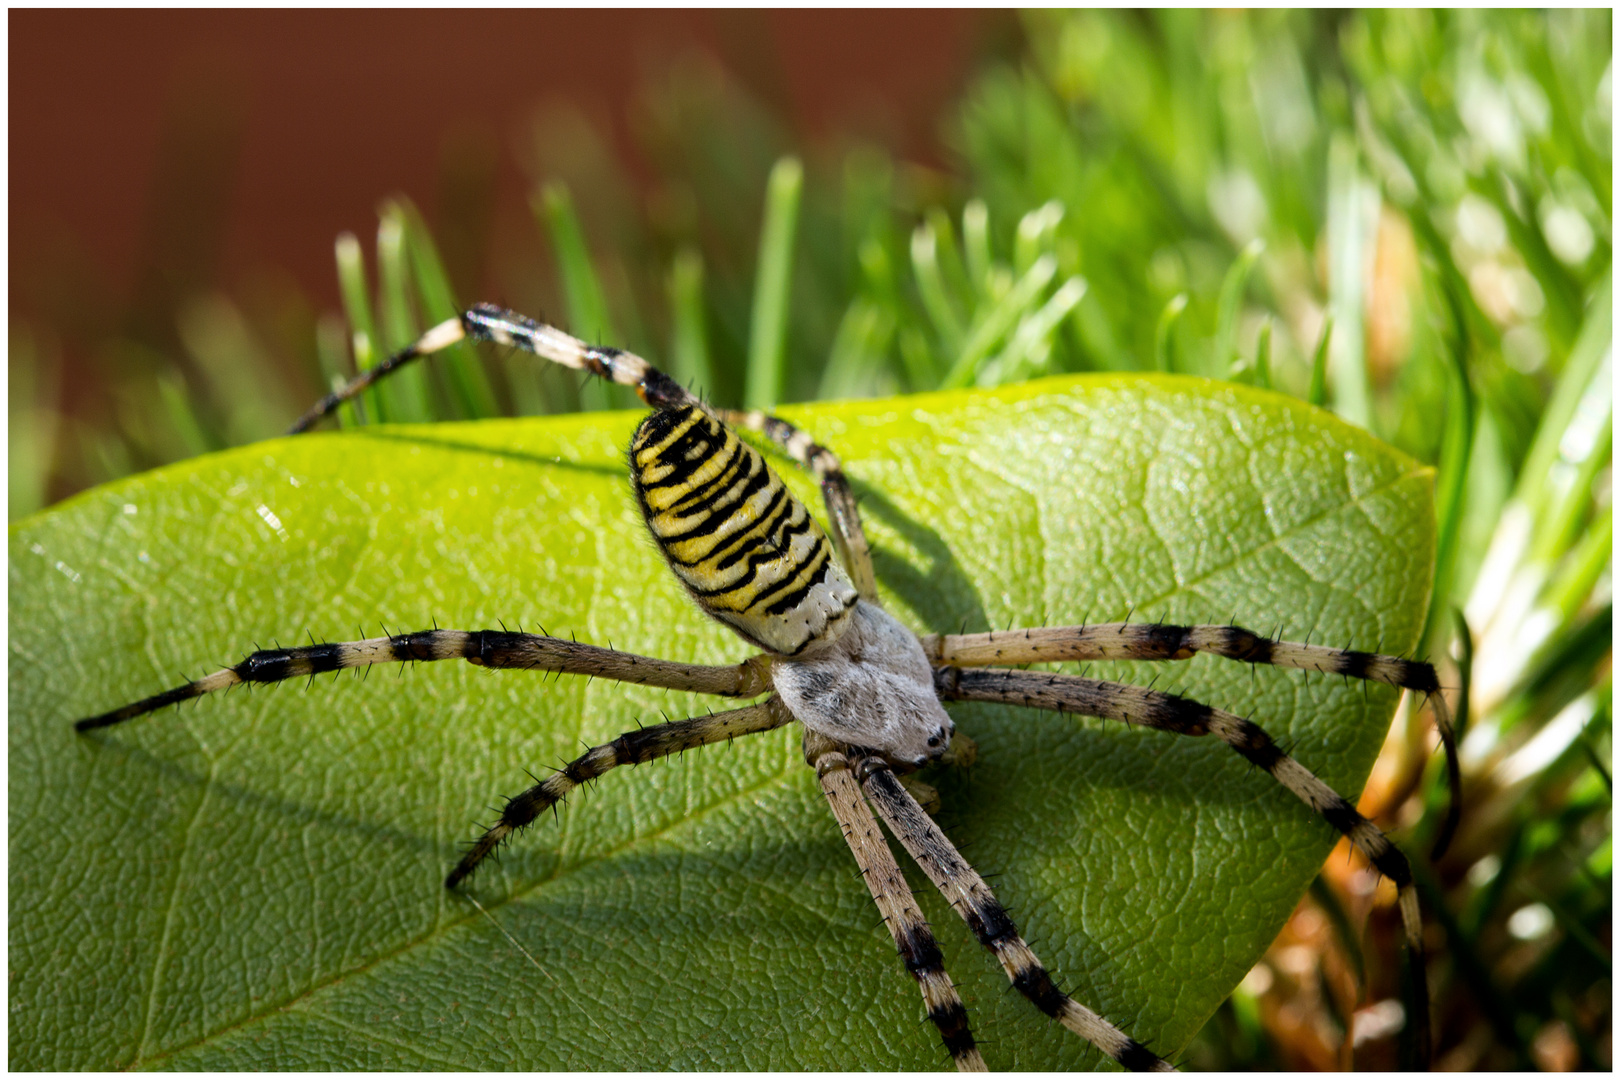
x=487, y=648
x=966, y=891
x=631, y=748
x=439, y=337
x=823, y=464
x=486, y=322
x=1184, y=716
x=912, y=936
x=1165, y=641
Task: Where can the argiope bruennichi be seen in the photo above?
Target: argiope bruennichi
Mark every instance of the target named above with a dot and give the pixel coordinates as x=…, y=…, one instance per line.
x=866, y=691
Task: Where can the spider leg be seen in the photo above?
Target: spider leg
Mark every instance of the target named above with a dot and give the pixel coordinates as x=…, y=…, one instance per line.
x=843, y=515
x=486, y=322
x=630, y=748
x=487, y=648
x=1163, y=641
x=1184, y=716
x=966, y=891
x=912, y=936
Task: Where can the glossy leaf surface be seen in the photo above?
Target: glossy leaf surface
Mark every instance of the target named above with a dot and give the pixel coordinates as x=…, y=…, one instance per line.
x=255, y=881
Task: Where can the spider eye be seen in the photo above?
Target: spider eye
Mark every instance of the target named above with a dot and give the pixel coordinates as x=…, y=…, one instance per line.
x=933, y=740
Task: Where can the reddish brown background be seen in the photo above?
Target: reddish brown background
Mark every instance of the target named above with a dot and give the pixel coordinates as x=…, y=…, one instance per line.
x=324, y=113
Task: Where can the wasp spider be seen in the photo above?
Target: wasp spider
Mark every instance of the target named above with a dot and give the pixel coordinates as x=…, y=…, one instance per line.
x=866, y=691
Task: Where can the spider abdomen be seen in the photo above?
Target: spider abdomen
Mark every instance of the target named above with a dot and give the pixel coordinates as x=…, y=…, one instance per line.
x=745, y=548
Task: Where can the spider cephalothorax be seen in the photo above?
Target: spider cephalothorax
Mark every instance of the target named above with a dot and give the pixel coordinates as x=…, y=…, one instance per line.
x=865, y=689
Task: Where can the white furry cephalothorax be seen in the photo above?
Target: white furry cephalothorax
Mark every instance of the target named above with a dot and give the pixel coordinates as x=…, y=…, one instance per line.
x=871, y=687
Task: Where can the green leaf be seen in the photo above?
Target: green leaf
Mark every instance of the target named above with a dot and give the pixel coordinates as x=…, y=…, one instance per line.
x=255, y=882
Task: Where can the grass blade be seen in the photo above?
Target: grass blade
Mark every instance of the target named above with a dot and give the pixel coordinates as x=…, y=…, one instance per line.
x=31, y=408
x=460, y=364
x=998, y=321
x=1559, y=526
x=1351, y=211
x=1456, y=446
x=931, y=287
x=406, y=391
x=1036, y=230
x=1029, y=353
x=1262, y=356
x=1227, y=308
x=1570, y=590
x=356, y=295
x=976, y=244
x=583, y=297
x=1586, y=359
x=331, y=351
x=1164, y=340
x=767, y=338
x=689, y=351
x=1317, y=394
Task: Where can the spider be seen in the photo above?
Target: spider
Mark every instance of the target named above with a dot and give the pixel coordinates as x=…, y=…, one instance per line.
x=865, y=691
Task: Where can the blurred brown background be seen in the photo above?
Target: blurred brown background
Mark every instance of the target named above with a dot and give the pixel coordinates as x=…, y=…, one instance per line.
x=156, y=156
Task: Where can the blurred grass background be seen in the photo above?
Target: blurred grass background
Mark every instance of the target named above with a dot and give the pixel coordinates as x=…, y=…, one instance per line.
x=1403, y=216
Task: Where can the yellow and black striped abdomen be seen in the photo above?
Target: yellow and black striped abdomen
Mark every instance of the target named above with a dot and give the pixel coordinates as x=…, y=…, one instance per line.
x=742, y=544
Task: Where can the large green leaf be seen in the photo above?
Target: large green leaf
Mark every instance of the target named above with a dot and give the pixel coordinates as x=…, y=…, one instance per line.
x=255, y=881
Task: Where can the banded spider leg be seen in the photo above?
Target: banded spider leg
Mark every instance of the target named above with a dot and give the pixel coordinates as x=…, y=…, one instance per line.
x=1163, y=641
x=957, y=679
x=972, y=899
x=487, y=648
x=912, y=935
x=630, y=748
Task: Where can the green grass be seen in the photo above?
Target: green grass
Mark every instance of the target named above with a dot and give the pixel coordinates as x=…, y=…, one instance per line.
x=1404, y=216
